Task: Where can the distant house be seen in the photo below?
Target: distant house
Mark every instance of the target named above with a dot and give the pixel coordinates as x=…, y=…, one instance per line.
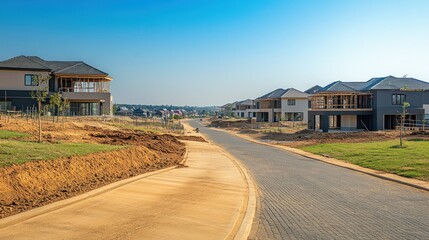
x=86, y=88
x=124, y=111
x=282, y=105
x=269, y=106
x=244, y=109
x=139, y=112
x=373, y=105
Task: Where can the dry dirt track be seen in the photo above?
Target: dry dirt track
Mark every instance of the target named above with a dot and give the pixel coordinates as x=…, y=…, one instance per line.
x=199, y=202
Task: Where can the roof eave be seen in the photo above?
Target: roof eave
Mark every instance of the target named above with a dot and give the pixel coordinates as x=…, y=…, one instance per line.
x=25, y=69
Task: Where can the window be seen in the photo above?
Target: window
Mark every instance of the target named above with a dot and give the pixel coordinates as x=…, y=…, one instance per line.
x=29, y=80
x=398, y=99
x=291, y=102
x=294, y=116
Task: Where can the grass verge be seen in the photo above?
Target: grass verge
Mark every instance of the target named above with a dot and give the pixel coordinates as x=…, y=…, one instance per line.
x=5, y=134
x=18, y=152
x=411, y=161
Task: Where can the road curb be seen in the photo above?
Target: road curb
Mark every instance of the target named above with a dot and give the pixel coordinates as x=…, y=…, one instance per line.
x=422, y=185
x=20, y=217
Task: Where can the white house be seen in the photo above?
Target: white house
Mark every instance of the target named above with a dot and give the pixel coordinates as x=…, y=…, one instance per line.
x=294, y=105
x=244, y=109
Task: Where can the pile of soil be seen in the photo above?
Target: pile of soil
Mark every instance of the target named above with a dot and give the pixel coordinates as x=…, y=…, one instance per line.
x=38, y=183
x=191, y=138
x=309, y=137
x=220, y=123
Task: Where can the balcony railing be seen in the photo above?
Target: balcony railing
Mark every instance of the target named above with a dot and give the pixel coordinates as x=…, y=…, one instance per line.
x=87, y=87
x=341, y=101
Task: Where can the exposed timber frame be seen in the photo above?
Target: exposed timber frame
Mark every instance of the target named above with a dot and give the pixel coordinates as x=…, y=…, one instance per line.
x=342, y=101
x=69, y=83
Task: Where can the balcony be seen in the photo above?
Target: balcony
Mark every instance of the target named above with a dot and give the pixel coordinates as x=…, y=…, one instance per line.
x=341, y=101
x=83, y=85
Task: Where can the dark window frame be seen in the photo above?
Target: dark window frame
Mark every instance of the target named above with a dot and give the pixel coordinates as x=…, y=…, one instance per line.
x=398, y=99
x=32, y=81
x=294, y=116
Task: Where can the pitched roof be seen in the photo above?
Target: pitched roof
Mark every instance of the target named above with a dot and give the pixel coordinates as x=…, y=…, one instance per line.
x=274, y=94
x=293, y=93
x=394, y=83
x=22, y=62
x=246, y=102
x=381, y=83
x=339, y=86
x=56, y=67
x=313, y=89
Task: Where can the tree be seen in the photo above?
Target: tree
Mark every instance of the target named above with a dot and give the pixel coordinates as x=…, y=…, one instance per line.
x=55, y=102
x=39, y=94
x=403, y=114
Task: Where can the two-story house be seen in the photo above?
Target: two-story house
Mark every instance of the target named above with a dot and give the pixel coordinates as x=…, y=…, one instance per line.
x=282, y=104
x=85, y=87
x=372, y=105
x=269, y=106
x=244, y=109
x=294, y=105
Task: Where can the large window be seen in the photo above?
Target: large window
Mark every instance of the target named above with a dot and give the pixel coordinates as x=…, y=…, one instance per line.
x=29, y=80
x=294, y=116
x=398, y=99
x=291, y=102
x=84, y=109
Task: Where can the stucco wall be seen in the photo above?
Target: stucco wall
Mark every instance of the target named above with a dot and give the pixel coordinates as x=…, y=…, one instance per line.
x=14, y=80
x=301, y=105
x=105, y=98
x=382, y=103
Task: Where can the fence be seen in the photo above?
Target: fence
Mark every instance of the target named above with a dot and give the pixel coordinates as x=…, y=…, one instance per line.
x=138, y=123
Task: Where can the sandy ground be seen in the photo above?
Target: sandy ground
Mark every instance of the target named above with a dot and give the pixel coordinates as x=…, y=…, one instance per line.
x=202, y=201
x=37, y=183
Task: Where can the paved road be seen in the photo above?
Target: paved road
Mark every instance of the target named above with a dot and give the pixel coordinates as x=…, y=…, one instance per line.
x=306, y=199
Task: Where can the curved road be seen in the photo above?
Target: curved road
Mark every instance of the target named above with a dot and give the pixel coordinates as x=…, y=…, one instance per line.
x=301, y=198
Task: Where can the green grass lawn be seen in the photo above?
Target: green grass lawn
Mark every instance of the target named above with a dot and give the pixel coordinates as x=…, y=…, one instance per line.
x=411, y=161
x=18, y=152
x=5, y=134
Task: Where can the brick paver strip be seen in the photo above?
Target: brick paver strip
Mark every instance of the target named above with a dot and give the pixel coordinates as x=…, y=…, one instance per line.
x=301, y=198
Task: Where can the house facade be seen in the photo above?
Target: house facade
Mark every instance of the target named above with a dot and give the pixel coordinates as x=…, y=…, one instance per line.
x=244, y=109
x=269, y=106
x=85, y=87
x=294, y=106
x=282, y=105
x=372, y=105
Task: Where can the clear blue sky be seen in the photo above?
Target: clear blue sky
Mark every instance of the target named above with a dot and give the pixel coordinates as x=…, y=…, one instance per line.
x=212, y=52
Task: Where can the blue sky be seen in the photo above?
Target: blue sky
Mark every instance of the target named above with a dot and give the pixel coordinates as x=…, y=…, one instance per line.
x=212, y=52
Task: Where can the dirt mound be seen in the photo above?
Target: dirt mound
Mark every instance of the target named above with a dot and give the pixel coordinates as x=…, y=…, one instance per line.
x=309, y=137
x=229, y=123
x=38, y=183
x=191, y=138
x=163, y=143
